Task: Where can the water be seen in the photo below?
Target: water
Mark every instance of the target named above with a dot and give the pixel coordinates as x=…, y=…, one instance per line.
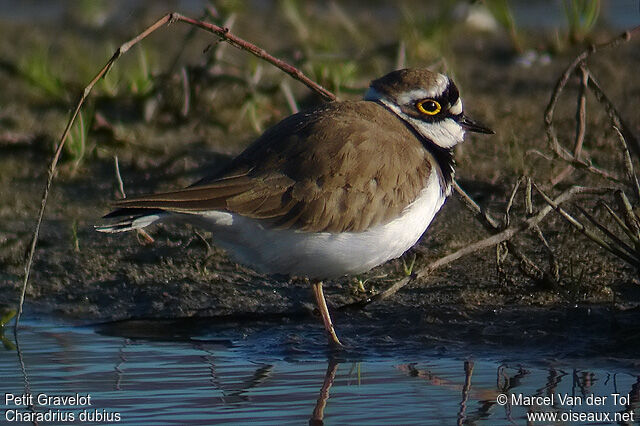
x=244, y=378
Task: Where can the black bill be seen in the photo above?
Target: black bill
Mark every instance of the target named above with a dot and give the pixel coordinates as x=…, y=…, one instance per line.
x=472, y=126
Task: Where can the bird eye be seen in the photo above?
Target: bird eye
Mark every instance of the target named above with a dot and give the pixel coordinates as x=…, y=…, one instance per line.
x=429, y=107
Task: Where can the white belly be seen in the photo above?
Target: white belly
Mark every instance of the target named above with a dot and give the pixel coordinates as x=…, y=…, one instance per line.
x=323, y=254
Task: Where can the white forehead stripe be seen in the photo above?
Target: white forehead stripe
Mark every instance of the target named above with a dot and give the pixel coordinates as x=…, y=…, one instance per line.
x=437, y=89
x=456, y=108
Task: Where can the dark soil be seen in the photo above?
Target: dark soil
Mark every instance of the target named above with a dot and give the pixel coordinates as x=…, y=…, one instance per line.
x=94, y=277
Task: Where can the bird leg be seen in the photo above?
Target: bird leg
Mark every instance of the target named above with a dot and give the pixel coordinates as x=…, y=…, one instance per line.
x=324, y=311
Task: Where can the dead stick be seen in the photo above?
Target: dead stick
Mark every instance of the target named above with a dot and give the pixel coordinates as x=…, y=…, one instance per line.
x=581, y=124
x=141, y=232
x=555, y=95
x=227, y=36
x=489, y=222
x=586, y=231
x=630, y=234
x=628, y=163
x=626, y=136
x=630, y=218
x=613, y=237
x=562, y=81
x=581, y=112
x=223, y=33
x=614, y=115
x=527, y=266
x=507, y=210
x=118, y=177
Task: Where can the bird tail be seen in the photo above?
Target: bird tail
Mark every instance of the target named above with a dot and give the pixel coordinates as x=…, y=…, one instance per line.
x=128, y=219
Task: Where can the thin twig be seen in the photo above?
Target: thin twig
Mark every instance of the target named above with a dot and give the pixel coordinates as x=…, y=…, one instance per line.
x=628, y=164
x=554, y=268
x=507, y=210
x=527, y=198
x=581, y=114
x=56, y=158
x=214, y=62
x=527, y=266
x=552, y=136
x=553, y=263
x=564, y=78
x=148, y=239
x=23, y=369
x=630, y=217
x=118, y=177
x=288, y=95
x=187, y=38
x=186, y=90
x=616, y=240
x=615, y=116
x=633, y=237
x=232, y=39
x=586, y=231
x=487, y=220
x=502, y=249
x=581, y=124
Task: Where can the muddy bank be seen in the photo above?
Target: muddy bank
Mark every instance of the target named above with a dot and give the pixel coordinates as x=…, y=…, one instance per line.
x=90, y=277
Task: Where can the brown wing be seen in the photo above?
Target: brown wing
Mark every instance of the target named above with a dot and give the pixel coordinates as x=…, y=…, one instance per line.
x=341, y=167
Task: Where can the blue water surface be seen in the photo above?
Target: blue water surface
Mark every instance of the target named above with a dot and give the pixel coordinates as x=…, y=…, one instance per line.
x=255, y=377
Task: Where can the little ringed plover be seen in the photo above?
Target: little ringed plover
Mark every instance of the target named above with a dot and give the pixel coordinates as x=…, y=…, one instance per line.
x=335, y=190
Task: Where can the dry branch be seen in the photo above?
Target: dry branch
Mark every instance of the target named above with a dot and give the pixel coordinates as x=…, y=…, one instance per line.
x=581, y=119
x=581, y=124
x=227, y=36
x=628, y=164
x=630, y=217
x=612, y=248
x=507, y=210
x=614, y=115
x=552, y=136
x=628, y=142
x=632, y=236
x=527, y=266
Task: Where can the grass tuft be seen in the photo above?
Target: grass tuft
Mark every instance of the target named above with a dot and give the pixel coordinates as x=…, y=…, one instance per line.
x=582, y=16
x=36, y=68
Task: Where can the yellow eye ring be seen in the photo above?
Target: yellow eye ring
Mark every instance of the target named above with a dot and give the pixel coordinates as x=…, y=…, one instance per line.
x=429, y=107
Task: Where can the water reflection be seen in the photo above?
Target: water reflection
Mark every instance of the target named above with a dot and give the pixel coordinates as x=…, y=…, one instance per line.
x=202, y=381
x=318, y=411
x=15, y=345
